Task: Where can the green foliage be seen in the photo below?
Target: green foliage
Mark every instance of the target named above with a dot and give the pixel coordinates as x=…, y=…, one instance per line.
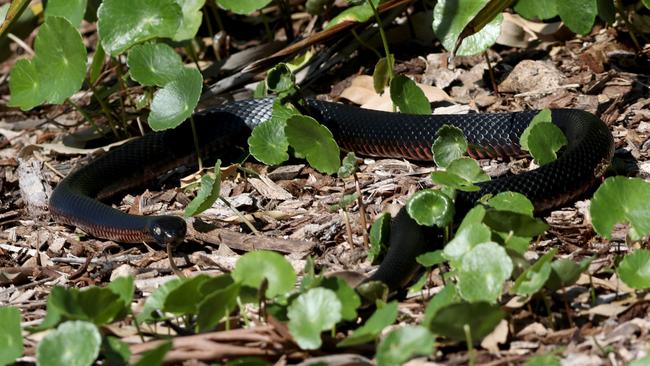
x=358, y=13
x=379, y=235
x=207, y=194
x=447, y=296
x=431, y=207
x=534, y=278
x=449, y=321
x=154, y=64
x=535, y=9
x=243, y=6
x=93, y=304
x=621, y=200
x=404, y=343
x=634, y=269
x=191, y=20
x=565, y=272
x=449, y=145
x=578, y=15
x=72, y=10
x=450, y=18
x=431, y=259
x=268, y=142
x=544, y=360
x=155, y=356
x=381, y=75
x=349, y=299
x=255, y=267
x=11, y=339
x=482, y=272
x=311, y=313
x=57, y=69
x=116, y=351
x=460, y=174
x=408, y=96
x=382, y=317
x=176, y=101
x=156, y=300
x=122, y=24
x=313, y=141
x=73, y=343
x=280, y=79
x=465, y=240
x=348, y=165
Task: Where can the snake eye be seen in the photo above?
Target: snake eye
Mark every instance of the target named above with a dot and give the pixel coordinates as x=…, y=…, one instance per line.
x=168, y=229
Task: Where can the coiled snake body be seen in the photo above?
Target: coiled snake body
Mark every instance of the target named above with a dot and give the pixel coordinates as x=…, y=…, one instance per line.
x=223, y=133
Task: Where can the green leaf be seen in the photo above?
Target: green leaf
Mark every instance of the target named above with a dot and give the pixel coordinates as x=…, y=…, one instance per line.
x=191, y=20
x=217, y=305
x=124, y=23
x=578, y=15
x=348, y=165
x=359, y=14
x=207, y=194
x=99, y=305
x=474, y=216
x=431, y=207
x=447, y=296
x=97, y=63
x=450, y=18
x=536, y=10
x=154, y=64
x=482, y=272
x=157, y=299
x=185, y=298
x=349, y=299
x=645, y=360
x=244, y=7
x=379, y=236
x=25, y=86
x=465, y=240
x=512, y=201
x=73, y=343
x=268, y=142
x=311, y=313
x=408, y=96
x=72, y=10
x=544, y=116
x=404, y=343
x=431, y=259
x=634, y=269
x=381, y=75
x=646, y=3
x=449, y=145
x=607, y=10
x=547, y=360
x=124, y=287
x=450, y=320
x=468, y=169
x=155, y=356
x=176, y=101
x=621, y=200
x=565, y=272
x=314, y=141
x=115, y=351
x=280, y=79
x=545, y=141
x=453, y=181
x=370, y=330
x=517, y=223
x=11, y=338
x=534, y=278
x=253, y=267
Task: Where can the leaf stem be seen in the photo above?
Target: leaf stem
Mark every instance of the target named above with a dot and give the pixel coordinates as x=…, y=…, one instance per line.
x=384, y=41
x=197, y=149
x=470, y=345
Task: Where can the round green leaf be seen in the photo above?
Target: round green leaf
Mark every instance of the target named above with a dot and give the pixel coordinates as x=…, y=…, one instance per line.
x=311, y=313
x=465, y=240
x=185, y=298
x=253, y=267
x=380, y=75
x=449, y=145
x=578, y=15
x=634, y=269
x=620, y=200
x=349, y=299
x=154, y=64
x=72, y=10
x=154, y=356
x=404, y=343
x=123, y=23
x=11, y=338
x=348, y=165
x=447, y=296
x=453, y=181
x=468, y=169
x=176, y=101
x=512, y=201
x=535, y=9
x=534, y=278
x=191, y=20
x=380, y=319
x=244, y=7
x=430, y=259
x=60, y=59
x=157, y=300
x=543, y=116
x=358, y=13
x=408, y=96
x=280, y=79
x=268, y=143
x=482, y=272
x=450, y=18
x=431, y=207
x=73, y=343
x=314, y=141
x=481, y=318
x=379, y=234
x=545, y=141
x=519, y=224
x=25, y=86
x=565, y=272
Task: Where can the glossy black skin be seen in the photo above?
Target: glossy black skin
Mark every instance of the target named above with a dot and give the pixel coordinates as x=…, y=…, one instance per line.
x=223, y=133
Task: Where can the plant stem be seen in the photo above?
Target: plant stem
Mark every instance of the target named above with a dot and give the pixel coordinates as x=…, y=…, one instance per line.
x=197, y=149
x=384, y=40
x=365, y=44
x=491, y=72
x=106, y=110
x=240, y=215
x=89, y=119
x=471, y=354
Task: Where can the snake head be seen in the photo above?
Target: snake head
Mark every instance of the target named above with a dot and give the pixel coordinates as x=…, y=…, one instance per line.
x=168, y=230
